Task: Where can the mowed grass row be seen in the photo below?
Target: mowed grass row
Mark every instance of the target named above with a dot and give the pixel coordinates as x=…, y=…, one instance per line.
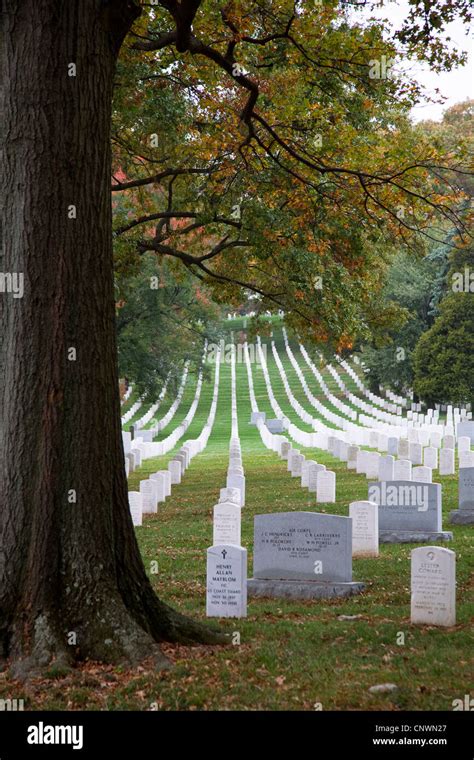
x=287, y=654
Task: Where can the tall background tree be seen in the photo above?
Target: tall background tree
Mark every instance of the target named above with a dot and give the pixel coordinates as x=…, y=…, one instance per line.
x=163, y=318
x=415, y=286
x=444, y=355
x=69, y=560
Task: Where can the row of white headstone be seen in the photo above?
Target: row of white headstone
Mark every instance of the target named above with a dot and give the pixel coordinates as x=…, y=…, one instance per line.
x=313, y=476
x=127, y=394
x=227, y=513
x=396, y=425
x=409, y=449
x=157, y=487
x=149, y=448
x=159, y=425
x=334, y=400
x=299, y=409
x=226, y=566
x=131, y=412
x=270, y=440
x=145, y=418
x=355, y=400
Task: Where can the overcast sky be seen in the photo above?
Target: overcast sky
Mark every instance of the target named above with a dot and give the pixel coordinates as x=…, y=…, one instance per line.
x=456, y=85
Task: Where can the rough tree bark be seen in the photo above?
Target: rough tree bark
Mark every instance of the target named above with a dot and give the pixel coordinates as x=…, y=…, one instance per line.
x=65, y=567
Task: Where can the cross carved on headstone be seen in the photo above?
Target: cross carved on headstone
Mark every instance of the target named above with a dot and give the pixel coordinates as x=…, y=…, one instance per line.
x=224, y=553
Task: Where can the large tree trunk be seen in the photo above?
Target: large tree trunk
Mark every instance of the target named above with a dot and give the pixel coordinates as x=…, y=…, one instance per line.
x=69, y=561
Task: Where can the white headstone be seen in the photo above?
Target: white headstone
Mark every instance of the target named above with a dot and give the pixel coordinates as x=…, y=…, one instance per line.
x=466, y=459
x=237, y=481
x=446, y=461
x=135, y=504
x=430, y=457
x=160, y=479
x=352, y=457
x=326, y=487
x=343, y=451
x=392, y=446
x=149, y=493
x=416, y=453
x=403, y=448
x=174, y=468
x=305, y=472
x=422, y=474
x=296, y=465
x=362, y=461
x=433, y=586
x=138, y=457
x=373, y=461
x=365, y=528
x=313, y=471
x=226, y=524
x=229, y=494
x=386, y=465
x=402, y=469
x=127, y=442
x=167, y=481
x=226, y=592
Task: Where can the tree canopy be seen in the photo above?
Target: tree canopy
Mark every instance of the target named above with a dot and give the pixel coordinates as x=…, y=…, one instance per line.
x=267, y=147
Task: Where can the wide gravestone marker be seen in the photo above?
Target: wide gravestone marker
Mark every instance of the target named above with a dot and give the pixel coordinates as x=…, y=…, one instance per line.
x=226, y=593
x=303, y=555
x=433, y=586
x=408, y=511
x=465, y=514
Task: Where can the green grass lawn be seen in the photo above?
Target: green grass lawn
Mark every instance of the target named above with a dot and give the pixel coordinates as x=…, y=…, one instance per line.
x=287, y=655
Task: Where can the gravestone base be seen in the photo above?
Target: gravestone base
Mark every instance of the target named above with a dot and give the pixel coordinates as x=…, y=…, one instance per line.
x=413, y=536
x=462, y=517
x=285, y=589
